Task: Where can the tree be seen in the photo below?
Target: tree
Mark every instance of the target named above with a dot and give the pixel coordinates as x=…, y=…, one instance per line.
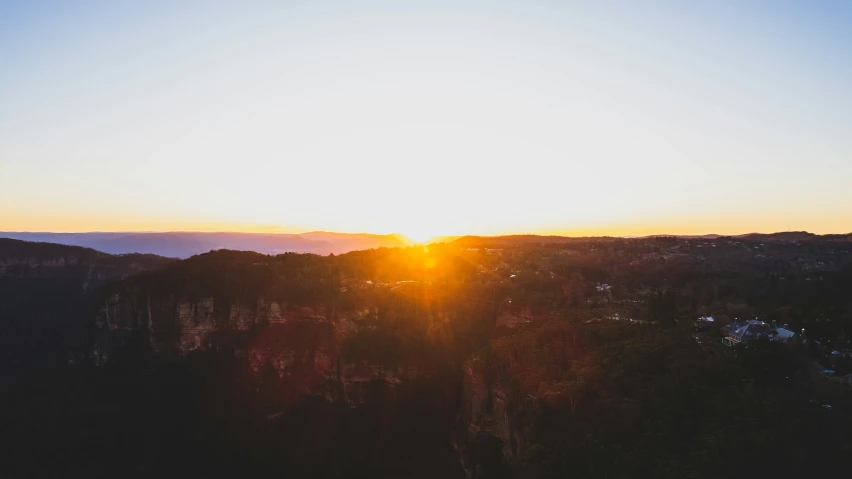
x=663, y=307
x=842, y=340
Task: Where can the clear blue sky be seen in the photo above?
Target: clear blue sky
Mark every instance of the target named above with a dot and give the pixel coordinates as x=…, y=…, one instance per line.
x=426, y=117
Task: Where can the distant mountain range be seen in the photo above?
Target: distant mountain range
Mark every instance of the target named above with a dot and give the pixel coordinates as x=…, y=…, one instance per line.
x=795, y=236
x=186, y=244
x=787, y=236
x=784, y=236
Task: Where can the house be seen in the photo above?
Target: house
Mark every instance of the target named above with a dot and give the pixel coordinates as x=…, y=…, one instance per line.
x=743, y=332
x=707, y=323
x=738, y=333
x=782, y=335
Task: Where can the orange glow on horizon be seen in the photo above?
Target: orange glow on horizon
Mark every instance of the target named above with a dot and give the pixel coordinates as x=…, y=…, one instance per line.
x=376, y=120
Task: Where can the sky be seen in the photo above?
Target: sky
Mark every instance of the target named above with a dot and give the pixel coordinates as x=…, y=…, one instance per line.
x=426, y=118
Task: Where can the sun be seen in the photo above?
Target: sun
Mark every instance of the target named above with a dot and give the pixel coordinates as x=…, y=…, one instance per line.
x=419, y=236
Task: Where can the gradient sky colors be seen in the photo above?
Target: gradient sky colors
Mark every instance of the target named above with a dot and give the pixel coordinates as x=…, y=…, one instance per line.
x=426, y=118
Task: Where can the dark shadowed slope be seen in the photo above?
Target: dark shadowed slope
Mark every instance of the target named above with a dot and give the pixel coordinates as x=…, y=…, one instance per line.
x=44, y=294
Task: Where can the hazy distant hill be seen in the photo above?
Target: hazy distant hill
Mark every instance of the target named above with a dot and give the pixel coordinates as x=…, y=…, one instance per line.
x=476, y=241
x=795, y=236
x=707, y=236
x=50, y=260
x=185, y=244
x=788, y=236
x=357, y=241
x=444, y=239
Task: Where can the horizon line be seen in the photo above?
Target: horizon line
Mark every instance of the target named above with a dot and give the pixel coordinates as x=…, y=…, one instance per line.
x=542, y=234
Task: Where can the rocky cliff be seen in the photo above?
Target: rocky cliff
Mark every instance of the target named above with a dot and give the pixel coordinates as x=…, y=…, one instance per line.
x=45, y=294
x=300, y=342
x=488, y=428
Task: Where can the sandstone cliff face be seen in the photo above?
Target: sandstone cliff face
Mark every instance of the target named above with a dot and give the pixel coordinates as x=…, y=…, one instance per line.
x=301, y=343
x=57, y=267
x=33, y=262
x=192, y=320
x=485, y=410
x=205, y=314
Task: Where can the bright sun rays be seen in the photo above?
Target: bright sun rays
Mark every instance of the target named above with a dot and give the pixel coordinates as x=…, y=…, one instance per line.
x=421, y=236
